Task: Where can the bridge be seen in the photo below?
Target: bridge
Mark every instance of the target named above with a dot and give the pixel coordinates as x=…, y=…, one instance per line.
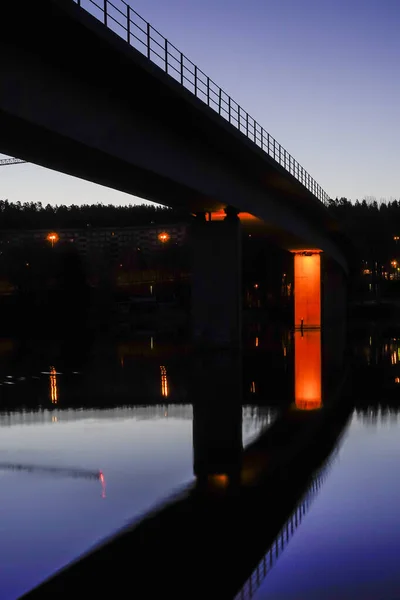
x=121, y=106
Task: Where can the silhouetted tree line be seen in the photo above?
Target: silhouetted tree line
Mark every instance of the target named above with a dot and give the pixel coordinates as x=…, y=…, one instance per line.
x=372, y=227
x=33, y=215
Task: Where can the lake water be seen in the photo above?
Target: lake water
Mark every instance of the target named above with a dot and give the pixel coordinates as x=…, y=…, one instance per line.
x=90, y=440
x=94, y=435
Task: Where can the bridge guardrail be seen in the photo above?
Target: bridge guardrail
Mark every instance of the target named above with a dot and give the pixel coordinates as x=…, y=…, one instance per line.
x=123, y=20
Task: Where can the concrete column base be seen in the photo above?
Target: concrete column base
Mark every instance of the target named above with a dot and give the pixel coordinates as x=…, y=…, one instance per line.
x=217, y=283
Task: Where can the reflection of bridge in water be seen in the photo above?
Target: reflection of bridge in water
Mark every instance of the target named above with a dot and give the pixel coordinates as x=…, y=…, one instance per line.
x=230, y=526
x=58, y=471
x=286, y=533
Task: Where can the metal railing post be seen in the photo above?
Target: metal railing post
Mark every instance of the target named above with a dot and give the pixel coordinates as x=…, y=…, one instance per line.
x=262, y=138
x=148, y=40
x=238, y=117
x=181, y=68
x=208, y=91
x=219, y=101
x=195, y=80
x=229, y=109
x=166, y=55
x=255, y=132
x=247, y=124
x=105, y=13
x=128, y=23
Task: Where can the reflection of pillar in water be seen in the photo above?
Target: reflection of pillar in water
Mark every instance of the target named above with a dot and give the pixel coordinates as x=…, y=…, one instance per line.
x=217, y=419
x=307, y=359
x=53, y=386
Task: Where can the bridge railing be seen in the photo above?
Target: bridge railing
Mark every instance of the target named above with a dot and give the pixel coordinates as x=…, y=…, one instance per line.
x=288, y=530
x=123, y=20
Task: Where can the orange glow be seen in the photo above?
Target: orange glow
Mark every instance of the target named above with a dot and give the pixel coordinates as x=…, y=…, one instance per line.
x=52, y=237
x=53, y=386
x=164, y=237
x=103, y=484
x=307, y=289
x=219, y=215
x=397, y=380
x=257, y=342
x=164, y=382
x=219, y=481
x=253, y=387
x=307, y=370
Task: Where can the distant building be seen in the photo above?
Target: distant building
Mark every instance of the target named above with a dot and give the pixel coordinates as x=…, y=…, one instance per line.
x=147, y=238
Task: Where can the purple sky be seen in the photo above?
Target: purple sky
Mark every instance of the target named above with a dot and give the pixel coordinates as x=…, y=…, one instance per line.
x=319, y=75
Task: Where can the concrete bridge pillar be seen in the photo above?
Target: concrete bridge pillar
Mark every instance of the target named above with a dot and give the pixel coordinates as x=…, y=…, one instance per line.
x=334, y=293
x=217, y=282
x=319, y=291
x=320, y=324
x=307, y=289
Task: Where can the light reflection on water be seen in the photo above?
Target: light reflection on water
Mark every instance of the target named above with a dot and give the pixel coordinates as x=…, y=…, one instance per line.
x=73, y=472
x=55, y=511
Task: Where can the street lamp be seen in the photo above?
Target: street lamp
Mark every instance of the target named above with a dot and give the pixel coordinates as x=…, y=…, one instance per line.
x=53, y=238
x=163, y=237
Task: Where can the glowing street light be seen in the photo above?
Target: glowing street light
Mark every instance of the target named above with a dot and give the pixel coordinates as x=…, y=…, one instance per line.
x=53, y=238
x=164, y=237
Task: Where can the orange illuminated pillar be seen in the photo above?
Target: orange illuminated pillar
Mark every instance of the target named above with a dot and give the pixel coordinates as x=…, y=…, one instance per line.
x=307, y=289
x=307, y=370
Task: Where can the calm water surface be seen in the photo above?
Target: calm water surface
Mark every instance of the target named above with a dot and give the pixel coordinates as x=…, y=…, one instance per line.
x=88, y=444
x=92, y=438
x=348, y=542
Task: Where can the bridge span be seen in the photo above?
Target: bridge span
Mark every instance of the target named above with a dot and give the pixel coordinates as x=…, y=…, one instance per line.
x=92, y=90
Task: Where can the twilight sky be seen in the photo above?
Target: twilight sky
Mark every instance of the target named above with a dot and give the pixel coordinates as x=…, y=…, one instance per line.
x=320, y=75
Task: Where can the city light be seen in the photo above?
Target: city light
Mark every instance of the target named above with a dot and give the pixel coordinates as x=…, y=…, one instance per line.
x=53, y=386
x=164, y=237
x=103, y=484
x=394, y=263
x=164, y=382
x=53, y=238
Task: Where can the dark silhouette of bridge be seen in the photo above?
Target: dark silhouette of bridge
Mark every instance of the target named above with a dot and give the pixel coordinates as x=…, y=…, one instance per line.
x=123, y=107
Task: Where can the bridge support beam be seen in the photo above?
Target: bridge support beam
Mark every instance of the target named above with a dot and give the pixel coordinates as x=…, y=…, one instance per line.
x=319, y=291
x=334, y=294
x=217, y=282
x=320, y=324
x=307, y=289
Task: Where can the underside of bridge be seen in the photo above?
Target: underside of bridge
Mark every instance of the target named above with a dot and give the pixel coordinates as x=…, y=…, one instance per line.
x=77, y=98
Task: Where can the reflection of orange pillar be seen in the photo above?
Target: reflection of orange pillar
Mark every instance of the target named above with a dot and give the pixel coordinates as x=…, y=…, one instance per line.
x=307, y=370
x=307, y=289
